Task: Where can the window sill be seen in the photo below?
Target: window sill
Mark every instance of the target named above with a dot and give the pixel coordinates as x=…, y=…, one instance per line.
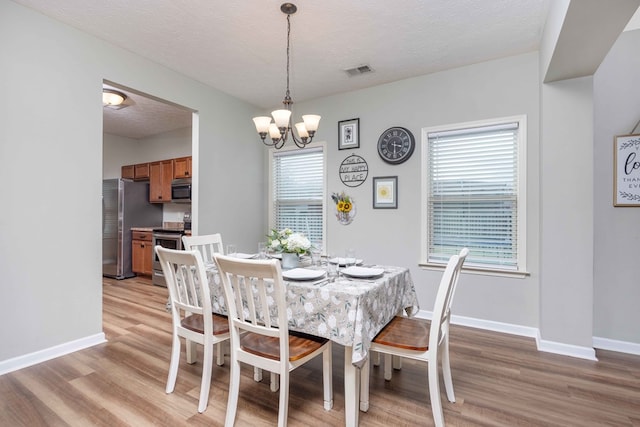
x=479, y=271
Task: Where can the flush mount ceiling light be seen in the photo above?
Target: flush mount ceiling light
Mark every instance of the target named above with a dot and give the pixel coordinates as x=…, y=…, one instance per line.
x=112, y=97
x=280, y=130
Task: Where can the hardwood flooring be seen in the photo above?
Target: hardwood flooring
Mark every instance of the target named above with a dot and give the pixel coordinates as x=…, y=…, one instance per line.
x=499, y=380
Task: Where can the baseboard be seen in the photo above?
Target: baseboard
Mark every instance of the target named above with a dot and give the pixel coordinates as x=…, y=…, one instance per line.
x=525, y=331
x=580, y=352
x=20, y=362
x=615, y=345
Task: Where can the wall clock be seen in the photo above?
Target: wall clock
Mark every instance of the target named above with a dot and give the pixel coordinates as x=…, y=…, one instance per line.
x=396, y=145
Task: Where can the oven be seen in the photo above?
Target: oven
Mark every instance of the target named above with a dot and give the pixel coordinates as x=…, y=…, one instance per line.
x=170, y=239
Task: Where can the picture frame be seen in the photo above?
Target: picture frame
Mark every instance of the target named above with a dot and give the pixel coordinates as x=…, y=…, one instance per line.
x=626, y=170
x=349, y=134
x=385, y=192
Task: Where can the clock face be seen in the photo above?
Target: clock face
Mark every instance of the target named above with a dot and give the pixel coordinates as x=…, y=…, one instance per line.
x=396, y=145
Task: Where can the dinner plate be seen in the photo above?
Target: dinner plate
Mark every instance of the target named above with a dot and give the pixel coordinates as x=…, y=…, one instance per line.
x=276, y=256
x=363, y=272
x=302, y=274
x=244, y=256
x=343, y=261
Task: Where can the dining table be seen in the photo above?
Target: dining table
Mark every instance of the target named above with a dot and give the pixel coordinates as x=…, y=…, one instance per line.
x=348, y=310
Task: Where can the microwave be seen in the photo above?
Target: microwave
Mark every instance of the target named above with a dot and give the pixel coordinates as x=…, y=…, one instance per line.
x=181, y=191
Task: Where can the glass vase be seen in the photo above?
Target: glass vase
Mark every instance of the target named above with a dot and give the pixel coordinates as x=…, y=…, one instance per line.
x=289, y=260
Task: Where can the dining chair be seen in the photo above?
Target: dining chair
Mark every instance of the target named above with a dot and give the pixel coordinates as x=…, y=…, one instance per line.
x=192, y=316
x=421, y=340
x=207, y=244
x=260, y=336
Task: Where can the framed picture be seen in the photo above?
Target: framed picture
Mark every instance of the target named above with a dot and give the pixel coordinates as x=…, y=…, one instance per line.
x=385, y=192
x=349, y=134
x=626, y=170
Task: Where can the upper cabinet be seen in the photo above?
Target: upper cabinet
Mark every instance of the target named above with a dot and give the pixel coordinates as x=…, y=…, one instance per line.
x=160, y=174
x=138, y=172
x=182, y=167
x=160, y=177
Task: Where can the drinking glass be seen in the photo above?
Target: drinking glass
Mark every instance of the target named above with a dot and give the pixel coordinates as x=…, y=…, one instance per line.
x=232, y=250
x=262, y=250
x=350, y=257
x=333, y=270
x=316, y=256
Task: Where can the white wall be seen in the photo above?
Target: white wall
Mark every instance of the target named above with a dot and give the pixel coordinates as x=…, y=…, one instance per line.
x=119, y=151
x=50, y=254
x=566, y=292
x=616, y=230
x=500, y=88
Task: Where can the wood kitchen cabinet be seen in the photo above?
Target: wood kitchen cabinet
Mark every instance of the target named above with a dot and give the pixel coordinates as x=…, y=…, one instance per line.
x=160, y=176
x=182, y=167
x=142, y=253
x=139, y=172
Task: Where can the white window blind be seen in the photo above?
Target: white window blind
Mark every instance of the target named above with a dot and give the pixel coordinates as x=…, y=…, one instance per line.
x=298, y=192
x=472, y=198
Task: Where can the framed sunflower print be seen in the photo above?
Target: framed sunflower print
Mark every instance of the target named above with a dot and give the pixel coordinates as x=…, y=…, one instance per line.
x=385, y=192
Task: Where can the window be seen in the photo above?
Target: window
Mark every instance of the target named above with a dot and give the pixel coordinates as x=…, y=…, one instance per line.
x=297, y=191
x=474, y=181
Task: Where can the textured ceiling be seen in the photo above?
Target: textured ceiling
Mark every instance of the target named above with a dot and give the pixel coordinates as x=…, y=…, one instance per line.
x=239, y=47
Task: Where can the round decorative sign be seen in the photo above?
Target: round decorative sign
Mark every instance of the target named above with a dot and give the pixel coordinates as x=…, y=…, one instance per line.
x=353, y=171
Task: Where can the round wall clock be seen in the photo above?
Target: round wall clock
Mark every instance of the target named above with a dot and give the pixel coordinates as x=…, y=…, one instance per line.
x=396, y=145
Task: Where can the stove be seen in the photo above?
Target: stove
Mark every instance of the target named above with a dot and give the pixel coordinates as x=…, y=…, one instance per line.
x=170, y=238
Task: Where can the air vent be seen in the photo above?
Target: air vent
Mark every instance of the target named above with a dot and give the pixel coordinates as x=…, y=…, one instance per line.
x=356, y=71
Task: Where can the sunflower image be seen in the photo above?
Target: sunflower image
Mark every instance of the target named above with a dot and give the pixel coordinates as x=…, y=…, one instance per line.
x=344, y=207
x=384, y=192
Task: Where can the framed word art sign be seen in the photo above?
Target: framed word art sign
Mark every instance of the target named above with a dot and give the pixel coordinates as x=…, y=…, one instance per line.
x=626, y=170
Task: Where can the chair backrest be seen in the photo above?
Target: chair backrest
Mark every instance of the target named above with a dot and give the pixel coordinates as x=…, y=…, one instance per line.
x=444, y=298
x=256, y=301
x=186, y=279
x=207, y=244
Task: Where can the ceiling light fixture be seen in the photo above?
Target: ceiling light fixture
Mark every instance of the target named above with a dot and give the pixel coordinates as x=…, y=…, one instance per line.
x=280, y=130
x=112, y=97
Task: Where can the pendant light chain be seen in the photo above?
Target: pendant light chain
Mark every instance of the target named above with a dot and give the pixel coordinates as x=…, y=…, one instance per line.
x=287, y=97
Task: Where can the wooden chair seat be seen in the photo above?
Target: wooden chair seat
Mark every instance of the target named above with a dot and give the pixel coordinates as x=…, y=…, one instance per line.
x=405, y=332
x=300, y=345
x=195, y=323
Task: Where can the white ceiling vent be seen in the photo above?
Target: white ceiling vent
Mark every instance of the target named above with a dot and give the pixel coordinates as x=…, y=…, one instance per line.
x=360, y=69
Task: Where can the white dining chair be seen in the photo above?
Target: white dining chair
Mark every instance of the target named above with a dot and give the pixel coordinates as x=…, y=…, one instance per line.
x=207, y=244
x=191, y=313
x=260, y=336
x=421, y=340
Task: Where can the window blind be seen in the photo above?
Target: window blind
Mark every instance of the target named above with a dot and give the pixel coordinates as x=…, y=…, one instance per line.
x=298, y=192
x=473, y=195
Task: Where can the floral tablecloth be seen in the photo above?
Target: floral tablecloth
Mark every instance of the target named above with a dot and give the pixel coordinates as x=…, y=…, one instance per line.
x=350, y=312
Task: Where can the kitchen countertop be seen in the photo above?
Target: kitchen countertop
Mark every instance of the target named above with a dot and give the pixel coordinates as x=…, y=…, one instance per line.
x=150, y=229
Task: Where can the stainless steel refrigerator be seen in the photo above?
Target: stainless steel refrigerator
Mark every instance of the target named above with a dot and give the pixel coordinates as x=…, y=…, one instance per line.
x=125, y=204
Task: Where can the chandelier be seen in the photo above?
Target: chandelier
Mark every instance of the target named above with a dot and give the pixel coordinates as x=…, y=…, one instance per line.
x=280, y=130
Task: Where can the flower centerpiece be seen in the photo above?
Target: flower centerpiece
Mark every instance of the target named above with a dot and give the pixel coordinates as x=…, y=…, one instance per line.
x=290, y=244
x=344, y=207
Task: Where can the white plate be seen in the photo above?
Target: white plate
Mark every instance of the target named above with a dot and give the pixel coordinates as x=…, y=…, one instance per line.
x=363, y=272
x=343, y=261
x=302, y=274
x=276, y=256
x=244, y=256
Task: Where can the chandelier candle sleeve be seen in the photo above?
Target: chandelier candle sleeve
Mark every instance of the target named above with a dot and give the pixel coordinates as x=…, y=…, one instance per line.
x=280, y=129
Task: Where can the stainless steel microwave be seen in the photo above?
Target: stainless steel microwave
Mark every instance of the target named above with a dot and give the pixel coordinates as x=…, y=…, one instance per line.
x=181, y=190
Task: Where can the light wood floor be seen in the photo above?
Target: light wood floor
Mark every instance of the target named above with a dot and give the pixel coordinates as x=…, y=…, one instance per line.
x=499, y=380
